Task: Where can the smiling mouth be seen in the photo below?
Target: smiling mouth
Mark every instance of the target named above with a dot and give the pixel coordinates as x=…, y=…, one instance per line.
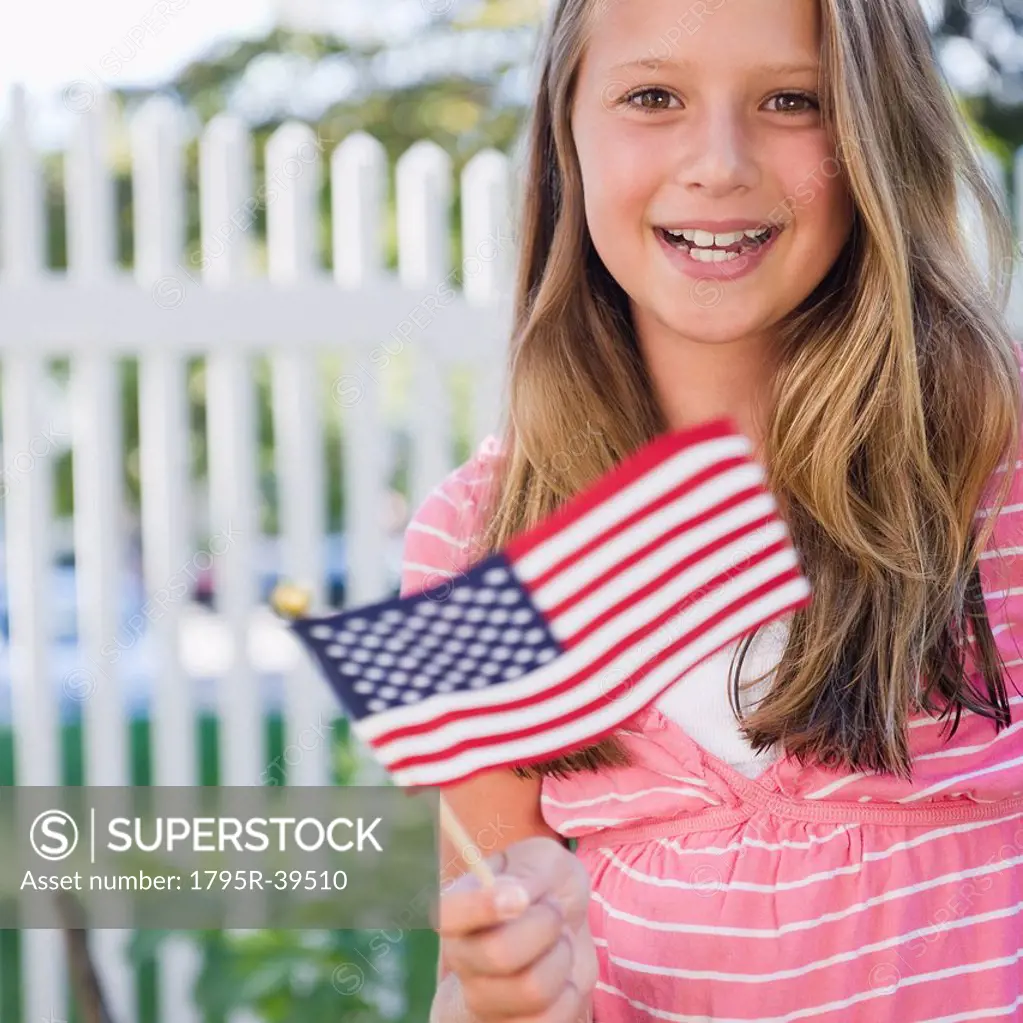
x=707, y=247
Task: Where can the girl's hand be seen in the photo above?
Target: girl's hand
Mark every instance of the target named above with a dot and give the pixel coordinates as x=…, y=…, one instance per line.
x=531, y=961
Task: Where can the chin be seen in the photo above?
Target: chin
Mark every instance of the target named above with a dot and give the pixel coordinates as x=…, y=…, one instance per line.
x=702, y=326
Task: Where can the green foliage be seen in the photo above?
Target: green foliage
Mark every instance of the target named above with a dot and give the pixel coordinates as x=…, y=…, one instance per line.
x=296, y=976
x=374, y=976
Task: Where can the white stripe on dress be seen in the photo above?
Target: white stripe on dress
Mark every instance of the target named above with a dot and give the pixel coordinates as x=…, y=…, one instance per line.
x=874, y=856
x=626, y=797
x=771, y=933
x=969, y=775
x=720, y=850
x=818, y=964
x=844, y=1003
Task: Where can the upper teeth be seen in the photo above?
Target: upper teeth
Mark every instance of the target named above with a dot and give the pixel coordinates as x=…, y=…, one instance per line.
x=706, y=239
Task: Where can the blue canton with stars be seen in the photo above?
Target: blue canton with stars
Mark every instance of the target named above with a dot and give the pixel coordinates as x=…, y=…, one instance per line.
x=472, y=631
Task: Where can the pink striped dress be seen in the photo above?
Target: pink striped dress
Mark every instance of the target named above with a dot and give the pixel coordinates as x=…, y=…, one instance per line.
x=798, y=892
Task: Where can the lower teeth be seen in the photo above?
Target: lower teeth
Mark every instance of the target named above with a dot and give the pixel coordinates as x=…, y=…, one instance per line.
x=713, y=255
x=707, y=255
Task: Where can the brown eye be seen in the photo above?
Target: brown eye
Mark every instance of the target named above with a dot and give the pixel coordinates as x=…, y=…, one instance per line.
x=650, y=99
x=794, y=103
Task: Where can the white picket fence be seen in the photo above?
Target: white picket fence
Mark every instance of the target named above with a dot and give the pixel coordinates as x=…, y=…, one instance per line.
x=165, y=312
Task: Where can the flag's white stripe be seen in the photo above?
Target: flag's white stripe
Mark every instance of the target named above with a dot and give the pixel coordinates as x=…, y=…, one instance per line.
x=577, y=617
x=673, y=591
x=607, y=716
x=439, y=739
x=581, y=657
x=631, y=498
x=619, y=546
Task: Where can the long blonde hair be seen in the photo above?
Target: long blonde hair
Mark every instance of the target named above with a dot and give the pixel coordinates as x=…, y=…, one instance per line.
x=896, y=398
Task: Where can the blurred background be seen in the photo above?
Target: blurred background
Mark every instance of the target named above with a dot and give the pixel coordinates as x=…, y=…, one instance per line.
x=254, y=278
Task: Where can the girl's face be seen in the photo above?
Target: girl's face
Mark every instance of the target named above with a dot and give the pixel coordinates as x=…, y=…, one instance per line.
x=712, y=191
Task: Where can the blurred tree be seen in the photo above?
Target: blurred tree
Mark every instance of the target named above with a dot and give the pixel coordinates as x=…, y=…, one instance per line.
x=980, y=43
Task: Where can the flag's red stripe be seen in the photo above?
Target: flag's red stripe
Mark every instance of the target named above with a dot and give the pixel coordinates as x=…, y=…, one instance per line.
x=553, y=613
x=630, y=468
x=655, y=584
x=610, y=695
x=677, y=492
x=634, y=637
x=593, y=737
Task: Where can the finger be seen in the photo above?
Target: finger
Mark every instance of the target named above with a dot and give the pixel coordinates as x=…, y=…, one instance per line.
x=509, y=948
x=462, y=913
x=543, y=867
x=585, y=966
x=529, y=992
x=547, y=869
x=571, y=1006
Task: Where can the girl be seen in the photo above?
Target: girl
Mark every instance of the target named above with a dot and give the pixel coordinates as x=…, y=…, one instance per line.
x=749, y=208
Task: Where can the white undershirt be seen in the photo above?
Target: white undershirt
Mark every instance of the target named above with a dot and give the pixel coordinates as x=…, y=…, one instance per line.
x=700, y=705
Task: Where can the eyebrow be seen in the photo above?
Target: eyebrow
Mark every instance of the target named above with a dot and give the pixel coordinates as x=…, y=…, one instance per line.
x=643, y=64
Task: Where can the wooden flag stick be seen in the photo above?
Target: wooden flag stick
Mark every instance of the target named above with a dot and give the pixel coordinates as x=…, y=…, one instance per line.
x=460, y=839
x=85, y=982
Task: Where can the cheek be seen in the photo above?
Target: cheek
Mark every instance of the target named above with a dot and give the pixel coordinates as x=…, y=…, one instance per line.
x=618, y=182
x=818, y=200
x=616, y=204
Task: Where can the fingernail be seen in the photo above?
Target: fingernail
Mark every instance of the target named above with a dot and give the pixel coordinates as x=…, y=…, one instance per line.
x=510, y=898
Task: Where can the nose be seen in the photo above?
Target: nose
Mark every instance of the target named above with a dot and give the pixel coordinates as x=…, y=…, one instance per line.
x=717, y=154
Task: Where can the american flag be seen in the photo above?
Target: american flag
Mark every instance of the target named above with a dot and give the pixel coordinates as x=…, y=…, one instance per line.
x=577, y=624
